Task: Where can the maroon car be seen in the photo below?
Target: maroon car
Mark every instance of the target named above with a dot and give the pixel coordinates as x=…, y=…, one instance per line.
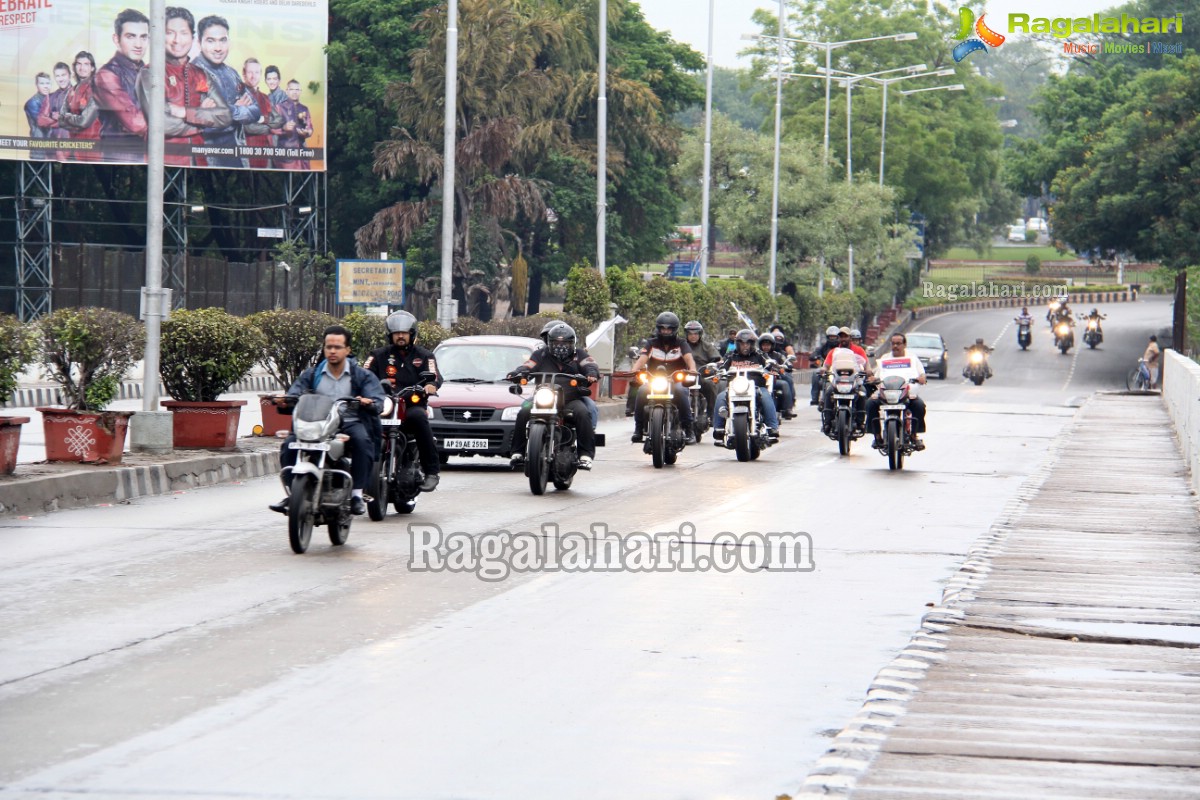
x=474, y=413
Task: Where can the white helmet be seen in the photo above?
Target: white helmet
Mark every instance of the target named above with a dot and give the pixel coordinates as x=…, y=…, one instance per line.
x=832, y=330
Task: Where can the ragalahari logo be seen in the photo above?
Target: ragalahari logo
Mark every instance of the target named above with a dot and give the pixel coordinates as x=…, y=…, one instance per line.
x=984, y=37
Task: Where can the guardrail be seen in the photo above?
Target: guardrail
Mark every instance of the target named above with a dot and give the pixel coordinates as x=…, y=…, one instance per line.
x=1181, y=394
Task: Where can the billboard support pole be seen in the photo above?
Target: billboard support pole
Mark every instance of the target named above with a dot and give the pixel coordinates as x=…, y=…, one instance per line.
x=175, y=216
x=151, y=429
x=34, y=248
x=447, y=310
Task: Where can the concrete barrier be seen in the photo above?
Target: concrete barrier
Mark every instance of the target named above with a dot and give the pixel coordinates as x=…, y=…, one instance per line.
x=1077, y=298
x=1181, y=394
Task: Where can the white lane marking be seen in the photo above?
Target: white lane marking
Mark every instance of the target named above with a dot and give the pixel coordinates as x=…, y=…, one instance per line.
x=1071, y=371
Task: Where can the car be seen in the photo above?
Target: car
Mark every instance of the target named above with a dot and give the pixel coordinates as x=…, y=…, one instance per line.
x=1036, y=224
x=1016, y=233
x=474, y=413
x=931, y=349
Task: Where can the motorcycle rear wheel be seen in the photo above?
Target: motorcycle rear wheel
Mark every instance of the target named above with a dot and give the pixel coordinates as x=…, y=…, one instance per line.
x=538, y=458
x=300, y=513
x=741, y=437
x=658, y=436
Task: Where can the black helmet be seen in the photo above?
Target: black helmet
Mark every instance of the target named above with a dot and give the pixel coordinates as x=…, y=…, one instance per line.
x=979, y=341
x=693, y=326
x=780, y=340
x=546, y=329
x=560, y=340
x=745, y=335
x=667, y=319
x=400, y=322
x=766, y=338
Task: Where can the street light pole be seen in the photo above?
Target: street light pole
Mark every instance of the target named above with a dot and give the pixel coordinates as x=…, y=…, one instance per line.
x=602, y=144
x=704, y=231
x=778, y=126
x=447, y=310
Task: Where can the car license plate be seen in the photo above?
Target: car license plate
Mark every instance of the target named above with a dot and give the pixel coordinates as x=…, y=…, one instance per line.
x=309, y=446
x=465, y=444
x=391, y=422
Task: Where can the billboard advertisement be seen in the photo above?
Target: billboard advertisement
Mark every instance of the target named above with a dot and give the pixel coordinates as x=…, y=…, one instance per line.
x=245, y=85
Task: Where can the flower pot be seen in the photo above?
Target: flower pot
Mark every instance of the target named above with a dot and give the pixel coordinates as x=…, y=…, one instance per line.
x=10, y=438
x=620, y=383
x=273, y=420
x=85, y=436
x=205, y=425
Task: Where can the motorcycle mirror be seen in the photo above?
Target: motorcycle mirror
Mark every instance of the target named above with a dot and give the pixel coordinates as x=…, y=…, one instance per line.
x=871, y=351
x=428, y=377
x=515, y=389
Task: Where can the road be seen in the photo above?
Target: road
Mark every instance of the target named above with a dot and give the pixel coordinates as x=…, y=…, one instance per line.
x=175, y=646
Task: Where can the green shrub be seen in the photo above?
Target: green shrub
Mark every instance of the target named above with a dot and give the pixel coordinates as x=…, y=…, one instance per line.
x=204, y=352
x=292, y=341
x=367, y=332
x=587, y=294
x=1033, y=264
x=17, y=351
x=87, y=352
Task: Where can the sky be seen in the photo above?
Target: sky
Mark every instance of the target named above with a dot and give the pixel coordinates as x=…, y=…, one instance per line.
x=687, y=20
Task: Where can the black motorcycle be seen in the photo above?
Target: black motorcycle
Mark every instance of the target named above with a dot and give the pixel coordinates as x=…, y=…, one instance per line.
x=1064, y=334
x=664, y=435
x=397, y=476
x=1024, y=336
x=1092, y=335
x=847, y=421
x=552, y=445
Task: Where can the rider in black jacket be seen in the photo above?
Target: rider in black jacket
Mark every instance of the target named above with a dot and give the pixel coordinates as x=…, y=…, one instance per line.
x=401, y=364
x=561, y=356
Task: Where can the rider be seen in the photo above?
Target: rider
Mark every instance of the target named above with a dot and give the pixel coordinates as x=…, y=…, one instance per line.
x=664, y=349
x=980, y=347
x=593, y=409
x=898, y=362
x=1023, y=318
x=337, y=376
x=703, y=353
x=788, y=354
x=401, y=364
x=1064, y=313
x=766, y=343
x=560, y=356
x=1096, y=316
x=745, y=355
x=817, y=357
x=847, y=356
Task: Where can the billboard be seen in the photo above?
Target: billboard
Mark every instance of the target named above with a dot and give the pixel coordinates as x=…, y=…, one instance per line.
x=371, y=282
x=245, y=86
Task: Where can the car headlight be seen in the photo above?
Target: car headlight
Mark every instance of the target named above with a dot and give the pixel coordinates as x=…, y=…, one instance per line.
x=935, y=358
x=544, y=397
x=309, y=431
x=659, y=385
x=509, y=414
x=740, y=385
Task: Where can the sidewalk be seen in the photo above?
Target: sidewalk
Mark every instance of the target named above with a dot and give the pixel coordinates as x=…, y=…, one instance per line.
x=1064, y=661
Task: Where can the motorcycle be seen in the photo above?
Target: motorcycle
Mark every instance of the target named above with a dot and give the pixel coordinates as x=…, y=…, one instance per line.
x=1064, y=335
x=664, y=437
x=747, y=432
x=701, y=413
x=895, y=420
x=846, y=423
x=1024, y=337
x=1093, y=335
x=976, y=370
x=319, y=484
x=396, y=477
x=551, y=445
x=775, y=386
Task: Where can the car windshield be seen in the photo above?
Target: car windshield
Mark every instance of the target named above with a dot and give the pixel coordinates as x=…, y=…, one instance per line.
x=930, y=341
x=479, y=362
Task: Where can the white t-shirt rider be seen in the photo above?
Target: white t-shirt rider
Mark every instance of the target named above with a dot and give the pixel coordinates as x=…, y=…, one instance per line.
x=906, y=366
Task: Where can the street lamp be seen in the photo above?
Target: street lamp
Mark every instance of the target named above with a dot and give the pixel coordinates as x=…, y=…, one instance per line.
x=704, y=233
x=954, y=87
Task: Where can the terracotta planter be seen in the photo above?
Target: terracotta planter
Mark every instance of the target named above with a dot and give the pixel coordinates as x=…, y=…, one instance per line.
x=620, y=383
x=273, y=420
x=212, y=426
x=10, y=438
x=85, y=436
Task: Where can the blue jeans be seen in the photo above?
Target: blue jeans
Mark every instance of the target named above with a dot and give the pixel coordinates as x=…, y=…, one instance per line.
x=765, y=404
x=789, y=391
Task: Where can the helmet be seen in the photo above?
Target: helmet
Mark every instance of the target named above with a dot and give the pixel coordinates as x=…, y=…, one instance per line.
x=667, y=319
x=546, y=329
x=745, y=335
x=1095, y=311
x=780, y=340
x=693, y=326
x=832, y=330
x=560, y=340
x=401, y=322
x=766, y=338
x=979, y=341
x=855, y=333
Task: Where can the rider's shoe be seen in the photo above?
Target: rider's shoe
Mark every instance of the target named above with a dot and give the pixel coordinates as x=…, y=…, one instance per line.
x=689, y=436
x=430, y=483
x=877, y=444
x=773, y=434
x=718, y=435
x=584, y=462
x=917, y=443
x=517, y=461
x=358, y=506
x=281, y=506
x=637, y=438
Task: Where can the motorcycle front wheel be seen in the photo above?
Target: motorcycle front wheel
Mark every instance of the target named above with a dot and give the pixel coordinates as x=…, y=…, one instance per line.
x=538, y=458
x=300, y=513
x=339, y=529
x=380, y=478
x=843, y=432
x=658, y=436
x=894, y=444
x=741, y=437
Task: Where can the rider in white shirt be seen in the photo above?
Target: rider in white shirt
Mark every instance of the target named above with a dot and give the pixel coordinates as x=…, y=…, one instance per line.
x=899, y=362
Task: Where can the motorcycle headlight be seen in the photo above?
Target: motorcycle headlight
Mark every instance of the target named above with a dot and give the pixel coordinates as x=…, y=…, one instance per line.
x=543, y=398
x=659, y=385
x=740, y=385
x=892, y=396
x=976, y=357
x=308, y=431
x=1054, y=306
x=1063, y=329
x=1092, y=325
x=386, y=409
x=510, y=414
x=844, y=387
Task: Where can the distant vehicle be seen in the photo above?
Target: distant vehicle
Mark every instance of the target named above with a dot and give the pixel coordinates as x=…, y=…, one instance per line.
x=1037, y=225
x=1016, y=233
x=931, y=349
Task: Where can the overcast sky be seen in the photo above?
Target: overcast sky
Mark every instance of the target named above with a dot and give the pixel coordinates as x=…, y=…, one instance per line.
x=687, y=20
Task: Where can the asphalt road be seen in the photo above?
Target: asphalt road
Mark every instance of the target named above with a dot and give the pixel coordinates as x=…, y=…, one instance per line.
x=175, y=646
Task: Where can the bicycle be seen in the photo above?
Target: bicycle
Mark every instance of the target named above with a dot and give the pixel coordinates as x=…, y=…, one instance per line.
x=1138, y=379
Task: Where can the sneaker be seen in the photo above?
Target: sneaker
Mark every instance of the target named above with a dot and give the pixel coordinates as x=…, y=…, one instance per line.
x=584, y=462
x=637, y=438
x=629, y=413
x=517, y=461
x=358, y=506
x=430, y=483
x=917, y=443
x=281, y=506
x=773, y=434
x=814, y=402
x=689, y=436
x=718, y=433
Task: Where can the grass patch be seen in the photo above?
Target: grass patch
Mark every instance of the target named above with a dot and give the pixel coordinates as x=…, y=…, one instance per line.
x=1014, y=253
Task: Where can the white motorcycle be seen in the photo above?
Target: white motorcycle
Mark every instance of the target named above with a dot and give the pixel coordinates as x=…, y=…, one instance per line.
x=895, y=420
x=747, y=432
